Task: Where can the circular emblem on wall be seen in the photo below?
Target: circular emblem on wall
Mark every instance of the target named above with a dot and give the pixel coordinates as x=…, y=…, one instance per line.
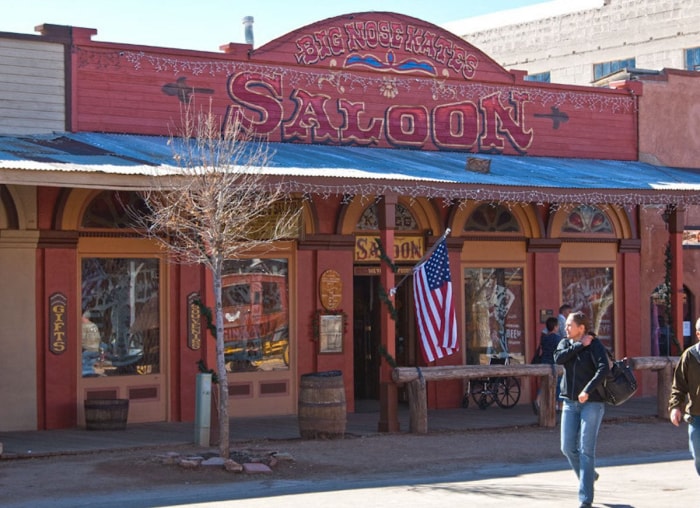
x=331, y=289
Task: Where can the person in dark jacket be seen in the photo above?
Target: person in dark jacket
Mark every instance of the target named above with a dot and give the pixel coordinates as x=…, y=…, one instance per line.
x=549, y=340
x=585, y=364
x=684, y=402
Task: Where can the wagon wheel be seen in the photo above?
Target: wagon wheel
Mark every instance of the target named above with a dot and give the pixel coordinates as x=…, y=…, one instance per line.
x=507, y=392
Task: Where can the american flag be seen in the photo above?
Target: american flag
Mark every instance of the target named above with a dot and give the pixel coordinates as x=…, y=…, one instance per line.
x=435, y=311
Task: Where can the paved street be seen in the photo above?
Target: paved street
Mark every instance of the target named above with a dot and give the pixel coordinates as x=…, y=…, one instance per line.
x=654, y=482
x=664, y=483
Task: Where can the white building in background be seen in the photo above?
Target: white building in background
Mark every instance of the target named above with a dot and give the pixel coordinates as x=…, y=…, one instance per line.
x=581, y=41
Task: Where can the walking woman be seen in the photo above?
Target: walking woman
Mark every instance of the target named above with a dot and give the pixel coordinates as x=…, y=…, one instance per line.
x=585, y=364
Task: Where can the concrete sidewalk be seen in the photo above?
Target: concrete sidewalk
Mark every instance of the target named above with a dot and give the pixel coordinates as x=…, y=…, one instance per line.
x=668, y=480
x=361, y=423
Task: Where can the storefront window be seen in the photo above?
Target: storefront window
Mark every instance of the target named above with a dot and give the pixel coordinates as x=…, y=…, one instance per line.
x=590, y=290
x=256, y=314
x=120, y=316
x=494, y=314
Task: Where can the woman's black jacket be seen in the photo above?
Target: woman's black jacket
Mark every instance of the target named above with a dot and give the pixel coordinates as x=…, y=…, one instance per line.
x=584, y=368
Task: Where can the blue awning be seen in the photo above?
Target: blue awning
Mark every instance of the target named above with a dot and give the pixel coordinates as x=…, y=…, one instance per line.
x=123, y=161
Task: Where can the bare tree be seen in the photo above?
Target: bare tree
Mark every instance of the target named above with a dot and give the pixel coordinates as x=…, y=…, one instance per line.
x=215, y=206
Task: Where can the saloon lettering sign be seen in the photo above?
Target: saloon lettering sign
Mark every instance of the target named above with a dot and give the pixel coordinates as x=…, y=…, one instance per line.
x=487, y=126
x=406, y=249
x=372, y=79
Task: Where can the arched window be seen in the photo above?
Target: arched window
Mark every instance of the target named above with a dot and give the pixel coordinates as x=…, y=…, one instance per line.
x=587, y=219
x=488, y=218
x=404, y=219
x=111, y=209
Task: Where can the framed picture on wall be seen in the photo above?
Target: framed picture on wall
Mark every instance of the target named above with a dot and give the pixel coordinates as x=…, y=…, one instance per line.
x=331, y=333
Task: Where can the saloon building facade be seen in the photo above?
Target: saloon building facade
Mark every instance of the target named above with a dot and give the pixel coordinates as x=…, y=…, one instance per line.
x=382, y=127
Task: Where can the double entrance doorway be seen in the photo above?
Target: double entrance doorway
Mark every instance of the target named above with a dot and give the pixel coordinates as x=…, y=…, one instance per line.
x=367, y=332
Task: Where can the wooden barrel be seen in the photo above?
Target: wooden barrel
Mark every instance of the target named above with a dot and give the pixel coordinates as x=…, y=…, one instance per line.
x=322, y=409
x=106, y=414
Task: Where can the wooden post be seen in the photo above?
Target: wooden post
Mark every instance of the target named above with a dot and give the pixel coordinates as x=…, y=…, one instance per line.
x=664, y=367
x=388, y=391
x=418, y=406
x=547, y=416
x=663, y=390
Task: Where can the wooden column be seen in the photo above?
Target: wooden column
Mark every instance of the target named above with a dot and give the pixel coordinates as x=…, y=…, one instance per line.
x=388, y=391
x=675, y=230
x=629, y=263
x=543, y=262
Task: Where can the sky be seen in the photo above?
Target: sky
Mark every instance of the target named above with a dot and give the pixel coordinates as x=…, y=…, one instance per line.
x=208, y=24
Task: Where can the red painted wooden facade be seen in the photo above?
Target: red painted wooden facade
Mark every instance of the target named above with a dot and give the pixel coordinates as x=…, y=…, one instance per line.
x=369, y=80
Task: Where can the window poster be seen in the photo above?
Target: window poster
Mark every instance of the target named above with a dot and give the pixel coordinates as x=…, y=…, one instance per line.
x=494, y=314
x=590, y=290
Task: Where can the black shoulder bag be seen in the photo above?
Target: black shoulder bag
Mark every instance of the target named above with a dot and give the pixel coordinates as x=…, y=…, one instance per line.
x=620, y=384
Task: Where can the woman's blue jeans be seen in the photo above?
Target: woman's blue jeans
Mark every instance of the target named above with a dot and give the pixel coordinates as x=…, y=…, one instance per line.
x=579, y=434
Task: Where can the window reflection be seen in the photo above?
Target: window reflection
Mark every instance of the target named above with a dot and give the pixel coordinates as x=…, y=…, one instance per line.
x=256, y=318
x=494, y=314
x=590, y=290
x=120, y=317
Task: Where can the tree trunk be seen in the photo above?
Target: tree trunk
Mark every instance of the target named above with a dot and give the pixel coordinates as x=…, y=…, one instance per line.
x=224, y=448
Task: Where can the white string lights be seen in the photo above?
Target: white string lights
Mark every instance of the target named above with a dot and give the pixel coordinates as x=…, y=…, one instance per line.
x=513, y=195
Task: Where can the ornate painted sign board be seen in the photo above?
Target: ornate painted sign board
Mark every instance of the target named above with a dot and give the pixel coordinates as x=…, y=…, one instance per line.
x=58, y=304
x=370, y=79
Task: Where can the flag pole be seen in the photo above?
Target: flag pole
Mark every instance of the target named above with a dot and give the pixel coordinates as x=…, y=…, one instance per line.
x=392, y=291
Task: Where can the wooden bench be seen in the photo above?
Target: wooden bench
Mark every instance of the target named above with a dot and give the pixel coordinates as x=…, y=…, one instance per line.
x=415, y=378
